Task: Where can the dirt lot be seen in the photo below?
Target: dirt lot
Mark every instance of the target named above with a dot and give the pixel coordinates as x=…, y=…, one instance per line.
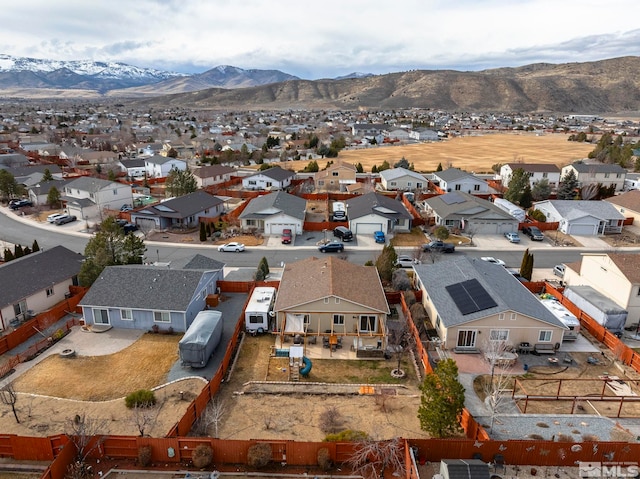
x=476, y=153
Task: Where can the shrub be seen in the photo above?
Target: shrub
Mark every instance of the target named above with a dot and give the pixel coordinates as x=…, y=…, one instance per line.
x=400, y=280
x=58, y=335
x=537, y=215
x=348, y=435
x=324, y=459
x=331, y=420
x=144, y=456
x=410, y=298
x=418, y=313
x=259, y=455
x=140, y=398
x=202, y=456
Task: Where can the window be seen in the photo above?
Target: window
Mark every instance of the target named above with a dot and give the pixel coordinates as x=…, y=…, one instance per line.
x=254, y=319
x=499, y=334
x=606, y=175
x=50, y=291
x=161, y=317
x=545, y=336
x=501, y=317
x=101, y=316
x=408, y=184
x=115, y=192
x=252, y=182
x=513, y=316
x=126, y=315
x=438, y=322
x=545, y=175
x=326, y=300
x=458, y=187
x=476, y=187
x=20, y=308
x=335, y=173
x=338, y=319
x=393, y=183
x=367, y=324
x=307, y=319
x=337, y=300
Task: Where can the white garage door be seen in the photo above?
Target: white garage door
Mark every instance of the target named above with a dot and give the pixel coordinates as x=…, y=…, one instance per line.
x=581, y=230
x=484, y=228
x=276, y=228
x=368, y=228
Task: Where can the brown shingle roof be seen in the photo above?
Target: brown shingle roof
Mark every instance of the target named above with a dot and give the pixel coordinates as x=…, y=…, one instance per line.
x=630, y=200
x=629, y=265
x=314, y=278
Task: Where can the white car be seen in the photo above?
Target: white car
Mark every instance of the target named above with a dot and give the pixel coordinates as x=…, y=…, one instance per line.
x=53, y=217
x=491, y=259
x=405, y=261
x=231, y=247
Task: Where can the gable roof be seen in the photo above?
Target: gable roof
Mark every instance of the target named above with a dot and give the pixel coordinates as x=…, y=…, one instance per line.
x=183, y=206
x=276, y=173
x=377, y=204
x=460, y=203
x=452, y=174
x=36, y=272
x=92, y=185
x=144, y=287
x=395, y=173
x=506, y=291
x=43, y=187
x=535, y=167
x=581, y=167
x=213, y=170
x=312, y=279
x=198, y=261
x=274, y=203
x=161, y=160
x=629, y=200
x=573, y=209
x=628, y=264
x=133, y=162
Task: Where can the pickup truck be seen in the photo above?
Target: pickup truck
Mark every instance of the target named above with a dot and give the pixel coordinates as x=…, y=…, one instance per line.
x=438, y=246
x=533, y=232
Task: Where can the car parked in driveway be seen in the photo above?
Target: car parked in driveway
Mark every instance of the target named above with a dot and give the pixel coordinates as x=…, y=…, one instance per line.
x=559, y=270
x=379, y=237
x=54, y=216
x=533, y=232
x=19, y=204
x=233, y=247
x=331, y=247
x=513, y=237
x=64, y=219
x=286, y=236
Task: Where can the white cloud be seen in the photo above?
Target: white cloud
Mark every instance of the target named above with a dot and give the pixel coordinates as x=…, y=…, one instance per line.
x=325, y=40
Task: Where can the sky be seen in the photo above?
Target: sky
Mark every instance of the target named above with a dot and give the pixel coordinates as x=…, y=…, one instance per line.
x=321, y=39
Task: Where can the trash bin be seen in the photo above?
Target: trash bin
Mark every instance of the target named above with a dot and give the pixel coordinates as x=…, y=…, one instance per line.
x=526, y=367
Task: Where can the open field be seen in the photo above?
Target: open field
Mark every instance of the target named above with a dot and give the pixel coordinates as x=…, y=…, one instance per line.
x=476, y=153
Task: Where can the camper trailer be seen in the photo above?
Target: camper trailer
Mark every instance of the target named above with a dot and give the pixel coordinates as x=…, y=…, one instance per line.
x=567, y=318
x=259, y=311
x=201, y=339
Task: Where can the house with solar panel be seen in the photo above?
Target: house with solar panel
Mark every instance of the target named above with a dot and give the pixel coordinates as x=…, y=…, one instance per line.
x=471, y=302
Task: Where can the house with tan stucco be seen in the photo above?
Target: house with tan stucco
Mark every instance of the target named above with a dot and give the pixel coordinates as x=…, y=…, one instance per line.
x=628, y=204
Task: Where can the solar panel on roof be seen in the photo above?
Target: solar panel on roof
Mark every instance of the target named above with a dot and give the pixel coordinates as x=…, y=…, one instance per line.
x=470, y=296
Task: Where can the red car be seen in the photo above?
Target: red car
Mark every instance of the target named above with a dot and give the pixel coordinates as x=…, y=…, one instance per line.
x=286, y=236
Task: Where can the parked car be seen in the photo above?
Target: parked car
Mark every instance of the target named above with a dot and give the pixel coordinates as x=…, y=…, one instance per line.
x=559, y=270
x=53, y=217
x=233, y=247
x=343, y=233
x=331, y=246
x=126, y=208
x=491, y=259
x=126, y=226
x=513, y=237
x=287, y=236
x=64, y=219
x=19, y=204
x=438, y=246
x=405, y=261
x=533, y=232
x=379, y=237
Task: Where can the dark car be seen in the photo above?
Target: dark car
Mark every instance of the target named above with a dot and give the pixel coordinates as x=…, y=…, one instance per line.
x=438, y=246
x=19, y=204
x=286, y=236
x=533, y=232
x=343, y=233
x=331, y=246
x=126, y=226
x=65, y=219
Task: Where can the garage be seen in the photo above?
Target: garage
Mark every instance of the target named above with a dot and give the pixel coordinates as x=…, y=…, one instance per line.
x=577, y=229
x=368, y=228
x=277, y=228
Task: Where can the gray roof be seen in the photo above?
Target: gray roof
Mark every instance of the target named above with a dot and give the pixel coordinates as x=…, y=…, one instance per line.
x=44, y=187
x=275, y=173
x=213, y=170
x=504, y=288
x=268, y=205
x=133, y=163
x=31, y=169
x=183, y=206
x=535, y=167
x=465, y=468
x=144, y=287
x=198, y=261
x=160, y=160
x=574, y=209
x=378, y=204
x=460, y=204
x=35, y=272
x=395, y=173
x=597, y=168
x=451, y=174
x=88, y=183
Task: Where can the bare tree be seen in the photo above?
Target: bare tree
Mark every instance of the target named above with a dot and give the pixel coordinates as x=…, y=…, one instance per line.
x=499, y=379
x=370, y=458
x=331, y=421
x=144, y=417
x=211, y=416
x=9, y=397
x=86, y=434
x=400, y=342
x=470, y=232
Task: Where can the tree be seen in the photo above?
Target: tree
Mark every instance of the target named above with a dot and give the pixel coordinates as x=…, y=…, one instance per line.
x=370, y=458
x=441, y=232
x=53, y=197
x=541, y=190
x=568, y=186
x=9, y=187
x=46, y=175
x=384, y=166
x=526, y=267
x=35, y=246
x=180, y=182
x=9, y=397
x=499, y=379
x=439, y=168
x=87, y=434
x=402, y=163
x=203, y=231
x=386, y=262
x=518, y=184
x=173, y=153
x=359, y=168
x=264, y=266
x=312, y=167
x=18, y=252
x=442, y=400
x=211, y=416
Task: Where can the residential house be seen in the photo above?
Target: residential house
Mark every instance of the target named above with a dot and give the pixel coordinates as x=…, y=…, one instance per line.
x=270, y=179
x=597, y=173
x=275, y=212
x=469, y=213
x=337, y=177
x=181, y=212
x=628, y=204
x=134, y=167
x=159, y=166
x=143, y=297
x=424, y=134
x=402, y=179
x=362, y=130
x=375, y=212
x=36, y=282
x=32, y=174
x=536, y=171
x=471, y=302
x=632, y=180
x=12, y=160
x=39, y=193
x=88, y=197
x=614, y=275
x=455, y=179
x=400, y=134
x=582, y=217
x=212, y=175
x=333, y=297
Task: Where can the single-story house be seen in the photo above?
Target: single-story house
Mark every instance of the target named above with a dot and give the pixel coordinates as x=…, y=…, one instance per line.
x=471, y=302
x=536, y=171
x=333, y=297
x=141, y=296
x=181, y=212
x=594, y=173
x=159, y=166
x=469, y=213
x=87, y=197
x=627, y=204
x=424, y=134
x=582, y=217
x=615, y=275
x=402, y=179
x=270, y=179
x=275, y=212
x=375, y=212
x=455, y=179
x=212, y=175
x=36, y=282
x=39, y=193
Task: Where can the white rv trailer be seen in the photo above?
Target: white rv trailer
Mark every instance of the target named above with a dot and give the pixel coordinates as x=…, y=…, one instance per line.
x=567, y=318
x=259, y=310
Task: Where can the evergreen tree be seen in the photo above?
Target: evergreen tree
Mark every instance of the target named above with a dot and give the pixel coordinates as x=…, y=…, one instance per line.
x=264, y=266
x=8, y=255
x=53, y=197
x=518, y=185
x=203, y=231
x=442, y=401
x=35, y=246
x=384, y=166
x=402, y=163
x=180, y=182
x=9, y=187
x=26, y=251
x=46, y=175
x=526, y=266
x=359, y=168
x=18, y=252
x=568, y=186
x=439, y=168
x=541, y=190
x=386, y=262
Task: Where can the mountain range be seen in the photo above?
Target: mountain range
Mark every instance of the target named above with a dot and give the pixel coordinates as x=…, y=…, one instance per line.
x=605, y=86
